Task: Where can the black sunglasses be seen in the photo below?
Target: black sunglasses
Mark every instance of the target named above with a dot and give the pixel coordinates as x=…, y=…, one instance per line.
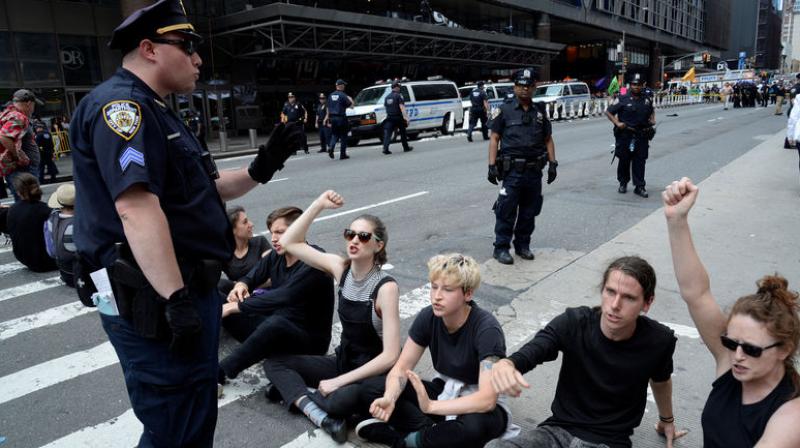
x=362, y=236
x=188, y=46
x=753, y=351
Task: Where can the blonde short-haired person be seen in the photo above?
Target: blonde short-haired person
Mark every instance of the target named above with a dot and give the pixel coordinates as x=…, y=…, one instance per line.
x=754, y=400
x=458, y=407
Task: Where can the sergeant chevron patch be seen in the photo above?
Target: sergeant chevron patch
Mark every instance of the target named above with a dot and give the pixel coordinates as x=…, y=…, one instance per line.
x=123, y=117
x=129, y=156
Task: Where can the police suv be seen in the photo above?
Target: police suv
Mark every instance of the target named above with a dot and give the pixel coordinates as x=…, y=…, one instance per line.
x=431, y=105
x=497, y=93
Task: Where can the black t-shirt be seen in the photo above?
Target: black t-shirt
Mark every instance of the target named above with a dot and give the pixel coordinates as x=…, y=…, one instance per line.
x=458, y=355
x=26, y=226
x=239, y=267
x=602, y=385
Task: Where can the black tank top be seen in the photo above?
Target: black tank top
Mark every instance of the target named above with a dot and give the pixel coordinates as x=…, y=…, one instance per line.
x=727, y=423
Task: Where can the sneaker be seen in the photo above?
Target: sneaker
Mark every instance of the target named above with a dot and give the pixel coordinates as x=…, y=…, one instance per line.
x=374, y=430
x=336, y=428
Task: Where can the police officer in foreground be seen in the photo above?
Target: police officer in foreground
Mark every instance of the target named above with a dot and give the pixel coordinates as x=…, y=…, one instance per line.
x=527, y=146
x=634, y=117
x=396, y=118
x=324, y=131
x=295, y=113
x=338, y=102
x=479, y=106
x=150, y=212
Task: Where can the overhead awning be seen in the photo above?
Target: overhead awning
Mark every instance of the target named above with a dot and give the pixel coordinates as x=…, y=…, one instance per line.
x=286, y=30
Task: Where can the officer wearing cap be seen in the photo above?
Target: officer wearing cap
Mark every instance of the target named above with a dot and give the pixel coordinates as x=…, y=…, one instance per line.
x=396, y=118
x=324, y=131
x=150, y=210
x=294, y=112
x=338, y=102
x=479, y=105
x=634, y=117
x=524, y=131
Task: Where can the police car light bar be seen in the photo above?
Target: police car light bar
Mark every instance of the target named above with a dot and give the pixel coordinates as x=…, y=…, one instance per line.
x=435, y=78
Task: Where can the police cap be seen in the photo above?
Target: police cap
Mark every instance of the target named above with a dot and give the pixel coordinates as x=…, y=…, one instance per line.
x=340, y=82
x=480, y=84
x=153, y=21
x=636, y=79
x=524, y=77
x=290, y=95
x=395, y=84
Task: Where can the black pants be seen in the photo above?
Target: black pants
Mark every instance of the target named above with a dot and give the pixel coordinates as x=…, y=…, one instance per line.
x=389, y=126
x=468, y=430
x=517, y=206
x=474, y=116
x=631, y=164
x=292, y=375
x=50, y=167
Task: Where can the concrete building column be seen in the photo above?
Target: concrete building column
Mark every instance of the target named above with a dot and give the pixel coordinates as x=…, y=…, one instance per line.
x=543, y=33
x=655, y=66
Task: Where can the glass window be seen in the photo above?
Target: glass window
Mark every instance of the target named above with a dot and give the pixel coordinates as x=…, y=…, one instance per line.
x=8, y=70
x=504, y=91
x=38, y=57
x=465, y=91
x=579, y=89
x=404, y=92
x=80, y=60
x=371, y=96
x=430, y=92
x=490, y=93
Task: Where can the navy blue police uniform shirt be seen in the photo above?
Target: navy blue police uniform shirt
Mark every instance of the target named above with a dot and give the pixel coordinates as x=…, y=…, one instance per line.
x=520, y=130
x=122, y=134
x=633, y=111
x=322, y=110
x=392, y=104
x=477, y=97
x=294, y=112
x=338, y=104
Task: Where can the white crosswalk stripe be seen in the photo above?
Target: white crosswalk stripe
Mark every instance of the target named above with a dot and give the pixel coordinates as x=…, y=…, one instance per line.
x=48, y=317
x=29, y=288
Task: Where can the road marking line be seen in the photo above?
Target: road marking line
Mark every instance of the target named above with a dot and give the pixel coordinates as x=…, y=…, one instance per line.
x=46, y=318
x=683, y=330
x=29, y=288
x=8, y=268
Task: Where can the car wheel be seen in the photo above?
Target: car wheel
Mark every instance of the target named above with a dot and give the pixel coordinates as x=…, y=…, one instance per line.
x=445, y=129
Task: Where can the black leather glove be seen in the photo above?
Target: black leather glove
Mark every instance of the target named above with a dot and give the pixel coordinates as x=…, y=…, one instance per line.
x=493, y=174
x=284, y=141
x=551, y=171
x=185, y=323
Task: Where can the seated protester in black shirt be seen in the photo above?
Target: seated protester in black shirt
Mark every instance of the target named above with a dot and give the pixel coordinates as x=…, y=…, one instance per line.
x=26, y=222
x=458, y=407
x=755, y=400
x=249, y=249
x=293, y=316
x=610, y=353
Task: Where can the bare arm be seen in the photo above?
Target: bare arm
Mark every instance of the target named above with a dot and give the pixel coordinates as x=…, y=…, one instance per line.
x=652, y=119
x=9, y=146
x=147, y=232
x=494, y=143
x=382, y=408
x=662, y=393
x=551, y=148
x=234, y=184
x=692, y=277
x=294, y=239
x=782, y=430
x=484, y=400
x=403, y=111
x=613, y=118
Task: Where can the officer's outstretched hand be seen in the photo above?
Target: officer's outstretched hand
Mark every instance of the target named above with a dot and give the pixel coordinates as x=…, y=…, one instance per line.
x=184, y=322
x=284, y=140
x=493, y=174
x=551, y=172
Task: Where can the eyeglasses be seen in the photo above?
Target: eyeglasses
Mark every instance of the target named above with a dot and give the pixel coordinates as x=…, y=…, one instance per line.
x=748, y=349
x=188, y=46
x=362, y=236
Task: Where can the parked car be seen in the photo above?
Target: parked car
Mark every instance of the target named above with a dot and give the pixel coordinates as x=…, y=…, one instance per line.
x=497, y=93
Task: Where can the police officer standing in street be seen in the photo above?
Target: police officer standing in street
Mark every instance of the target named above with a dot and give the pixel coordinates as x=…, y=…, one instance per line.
x=338, y=102
x=527, y=146
x=634, y=117
x=396, y=118
x=150, y=215
x=324, y=131
x=295, y=113
x=479, y=106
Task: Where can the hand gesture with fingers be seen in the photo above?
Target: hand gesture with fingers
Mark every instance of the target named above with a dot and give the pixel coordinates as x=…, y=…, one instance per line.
x=506, y=379
x=422, y=394
x=382, y=408
x=679, y=197
x=668, y=430
x=330, y=200
x=238, y=293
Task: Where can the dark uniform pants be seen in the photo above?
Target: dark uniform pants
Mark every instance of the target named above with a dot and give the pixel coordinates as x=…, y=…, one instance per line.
x=389, y=126
x=474, y=116
x=339, y=130
x=518, y=205
x=303, y=137
x=174, y=398
x=631, y=162
x=324, y=136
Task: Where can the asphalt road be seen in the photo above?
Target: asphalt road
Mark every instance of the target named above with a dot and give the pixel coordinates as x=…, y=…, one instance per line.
x=59, y=381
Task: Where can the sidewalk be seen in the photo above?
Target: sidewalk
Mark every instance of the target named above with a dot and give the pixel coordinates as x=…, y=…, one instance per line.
x=744, y=225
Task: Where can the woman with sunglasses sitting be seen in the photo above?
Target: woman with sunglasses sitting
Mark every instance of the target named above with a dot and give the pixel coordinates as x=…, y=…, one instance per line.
x=754, y=400
x=368, y=312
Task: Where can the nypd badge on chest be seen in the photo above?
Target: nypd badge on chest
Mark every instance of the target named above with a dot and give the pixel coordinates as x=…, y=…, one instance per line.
x=123, y=117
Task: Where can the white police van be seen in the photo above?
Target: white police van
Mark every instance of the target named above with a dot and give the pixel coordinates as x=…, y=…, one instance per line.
x=497, y=93
x=566, y=93
x=431, y=105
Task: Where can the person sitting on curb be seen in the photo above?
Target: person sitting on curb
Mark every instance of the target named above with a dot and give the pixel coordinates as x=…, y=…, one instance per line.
x=25, y=223
x=58, y=230
x=755, y=399
x=248, y=251
x=610, y=354
x=458, y=408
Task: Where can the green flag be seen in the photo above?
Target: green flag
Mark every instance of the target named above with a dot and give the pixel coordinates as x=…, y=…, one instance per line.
x=614, y=86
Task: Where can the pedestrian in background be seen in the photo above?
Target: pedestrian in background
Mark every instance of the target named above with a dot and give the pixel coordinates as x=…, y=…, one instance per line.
x=324, y=131
x=396, y=118
x=479, y=107
x=16, y=136
x=338, y=103
x=44, y=140
x=295, y=113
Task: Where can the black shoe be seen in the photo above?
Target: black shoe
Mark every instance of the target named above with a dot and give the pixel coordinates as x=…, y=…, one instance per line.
x=503, y=256
x=374, y=430
x=330, y=153
x=469, y=138
x=640, y=191
x=410, y=148
x=343, y=157
x=322, y=150
x=623, y=188
x=525, y=254
x=336, y=428
x=222, y=378
x=386, y=151
x=272, y=394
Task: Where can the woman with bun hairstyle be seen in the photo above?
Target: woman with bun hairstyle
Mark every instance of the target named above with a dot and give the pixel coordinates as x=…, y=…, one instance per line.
x=754, y=400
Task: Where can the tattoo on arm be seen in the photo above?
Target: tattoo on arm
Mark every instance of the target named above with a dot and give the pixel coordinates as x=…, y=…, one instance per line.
x=487, y=363
x=402, y=382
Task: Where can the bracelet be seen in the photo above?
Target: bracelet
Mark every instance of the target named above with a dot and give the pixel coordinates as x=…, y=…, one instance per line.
x=666, y=419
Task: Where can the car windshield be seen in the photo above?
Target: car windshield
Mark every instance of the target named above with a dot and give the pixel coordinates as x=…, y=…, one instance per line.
x=547, y=91
x=371, y=96
x=465, y=91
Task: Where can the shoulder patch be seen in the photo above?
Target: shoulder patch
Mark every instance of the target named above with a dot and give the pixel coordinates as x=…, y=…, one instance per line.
x=496, y=112
x=124, y=117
